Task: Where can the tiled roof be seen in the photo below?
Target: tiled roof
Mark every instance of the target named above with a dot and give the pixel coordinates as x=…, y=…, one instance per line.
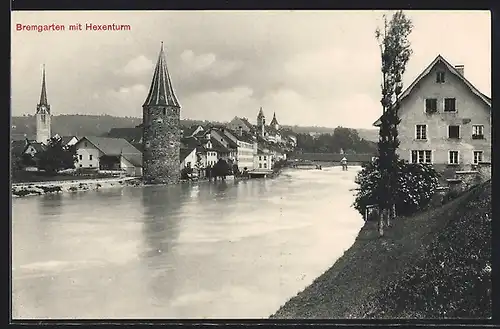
x=134, y=158
x=66, y=139
x=452, y=69
x=18, y=146
x=218, y=146
x=184, y=152
x=111, y=146
x=39, y=147
x=190, y=142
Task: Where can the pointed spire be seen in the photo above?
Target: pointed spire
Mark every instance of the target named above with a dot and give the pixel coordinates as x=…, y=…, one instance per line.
x=261, y=113
x=161, y=91
x=274, y=121
x=43, y=95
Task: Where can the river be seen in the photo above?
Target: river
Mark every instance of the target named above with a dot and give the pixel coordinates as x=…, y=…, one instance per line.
x=235, y=249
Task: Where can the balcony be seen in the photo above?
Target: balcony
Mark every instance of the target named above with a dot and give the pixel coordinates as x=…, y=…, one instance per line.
x=477, y=136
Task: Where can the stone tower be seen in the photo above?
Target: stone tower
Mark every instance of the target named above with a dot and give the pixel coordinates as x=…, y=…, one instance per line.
x=161, y=129
x=261, y=122
x=274, y=122
x=42, y=115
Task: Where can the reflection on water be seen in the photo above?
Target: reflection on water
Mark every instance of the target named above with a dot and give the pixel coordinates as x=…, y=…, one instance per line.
x=227, y=249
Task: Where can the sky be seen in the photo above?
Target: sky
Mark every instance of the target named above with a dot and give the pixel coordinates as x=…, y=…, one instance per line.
x=318, y=68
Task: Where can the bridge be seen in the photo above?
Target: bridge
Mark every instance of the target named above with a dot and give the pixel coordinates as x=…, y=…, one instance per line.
x=329, y=159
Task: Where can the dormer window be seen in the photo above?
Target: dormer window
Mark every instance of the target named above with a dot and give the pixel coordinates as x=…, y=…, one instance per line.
x=440, y=77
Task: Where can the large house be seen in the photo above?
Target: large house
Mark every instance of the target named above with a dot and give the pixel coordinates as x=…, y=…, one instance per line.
x=108, y=154
x=445, y=120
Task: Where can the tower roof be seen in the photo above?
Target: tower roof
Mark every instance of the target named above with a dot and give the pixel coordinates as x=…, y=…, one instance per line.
x=161, y=91
x=43, y=95
x=274, y=121
x=261, y=113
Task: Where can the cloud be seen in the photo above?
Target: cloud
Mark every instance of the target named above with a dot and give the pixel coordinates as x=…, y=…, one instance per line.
x=311, y=67
x=125, y=101
x=138, y=66
x=220, y=105
x=208, y=64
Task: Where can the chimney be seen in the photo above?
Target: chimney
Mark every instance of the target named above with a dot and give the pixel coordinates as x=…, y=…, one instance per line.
x=207, y=136
x=240, y=130
x=460, y=69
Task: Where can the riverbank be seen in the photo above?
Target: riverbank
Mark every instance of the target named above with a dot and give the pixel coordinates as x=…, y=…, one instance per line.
x=434, y=264
x=46, y=187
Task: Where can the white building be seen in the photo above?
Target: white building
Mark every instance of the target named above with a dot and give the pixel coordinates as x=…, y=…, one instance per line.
x=108, y=154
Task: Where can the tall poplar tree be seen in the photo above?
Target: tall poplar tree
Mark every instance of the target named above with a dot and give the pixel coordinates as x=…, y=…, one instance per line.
x=395, y=52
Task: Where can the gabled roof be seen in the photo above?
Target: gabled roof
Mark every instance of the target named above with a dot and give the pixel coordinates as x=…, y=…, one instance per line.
x=247, y=123
x=18, y=146
x=111, y=146
x=190, y=142
x=190, y=130
x=184, y=152
x=218, y=146
x=134, y=158
x=453, y=70
x=161, y=91
x=66, y=139
x=38, y=147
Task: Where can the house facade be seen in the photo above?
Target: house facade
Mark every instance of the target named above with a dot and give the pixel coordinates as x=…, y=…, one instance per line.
x=445, y=120
x=263, y=160
x=108, y=154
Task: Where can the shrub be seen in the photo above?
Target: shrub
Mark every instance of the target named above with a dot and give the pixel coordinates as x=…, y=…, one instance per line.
x=415, y=188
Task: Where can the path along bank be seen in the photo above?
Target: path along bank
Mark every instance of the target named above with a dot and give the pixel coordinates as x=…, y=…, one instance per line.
x=435, y=264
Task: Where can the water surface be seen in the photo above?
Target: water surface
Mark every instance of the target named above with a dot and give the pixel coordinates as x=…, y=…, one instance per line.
x=214, y=250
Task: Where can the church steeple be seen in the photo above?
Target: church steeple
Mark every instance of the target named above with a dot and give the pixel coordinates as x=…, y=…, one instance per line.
x=43, y=95
x=161, y=92
x=274, y=121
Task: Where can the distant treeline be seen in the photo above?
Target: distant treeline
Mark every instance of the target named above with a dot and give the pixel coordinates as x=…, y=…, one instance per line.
x=345, y=139
x=98, y=125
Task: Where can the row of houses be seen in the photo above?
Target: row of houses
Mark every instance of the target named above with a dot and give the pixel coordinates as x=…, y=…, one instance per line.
x=201, y=147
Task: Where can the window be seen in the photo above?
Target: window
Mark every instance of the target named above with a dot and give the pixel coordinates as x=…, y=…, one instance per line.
x=431, y=105
x=265, y=158
x=90, y=157
x=421, y=131
x=85, y=144
x=265, y=165
x=80, y=157
x=478, y=156
x=43, y=118
x=440, y=77
x=260, y=165
x=453, y=157
x=450, y=105
x=90, y=165
x=454, y=132
x=477, y=132
x=260, y=158
x=421, y=156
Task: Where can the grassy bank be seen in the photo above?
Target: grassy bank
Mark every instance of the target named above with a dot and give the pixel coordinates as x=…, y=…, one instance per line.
x=434, y=264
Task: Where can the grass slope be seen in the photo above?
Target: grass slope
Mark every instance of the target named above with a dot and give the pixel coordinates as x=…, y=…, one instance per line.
x=434, y=264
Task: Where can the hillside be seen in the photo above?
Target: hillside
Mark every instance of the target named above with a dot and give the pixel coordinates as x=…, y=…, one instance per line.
x=79, y=125
x=435, y=264
x=96, y=125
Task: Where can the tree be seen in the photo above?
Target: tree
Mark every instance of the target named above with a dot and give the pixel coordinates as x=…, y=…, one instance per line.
x=416, y=185
x=55, y=157
x=395, y=52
